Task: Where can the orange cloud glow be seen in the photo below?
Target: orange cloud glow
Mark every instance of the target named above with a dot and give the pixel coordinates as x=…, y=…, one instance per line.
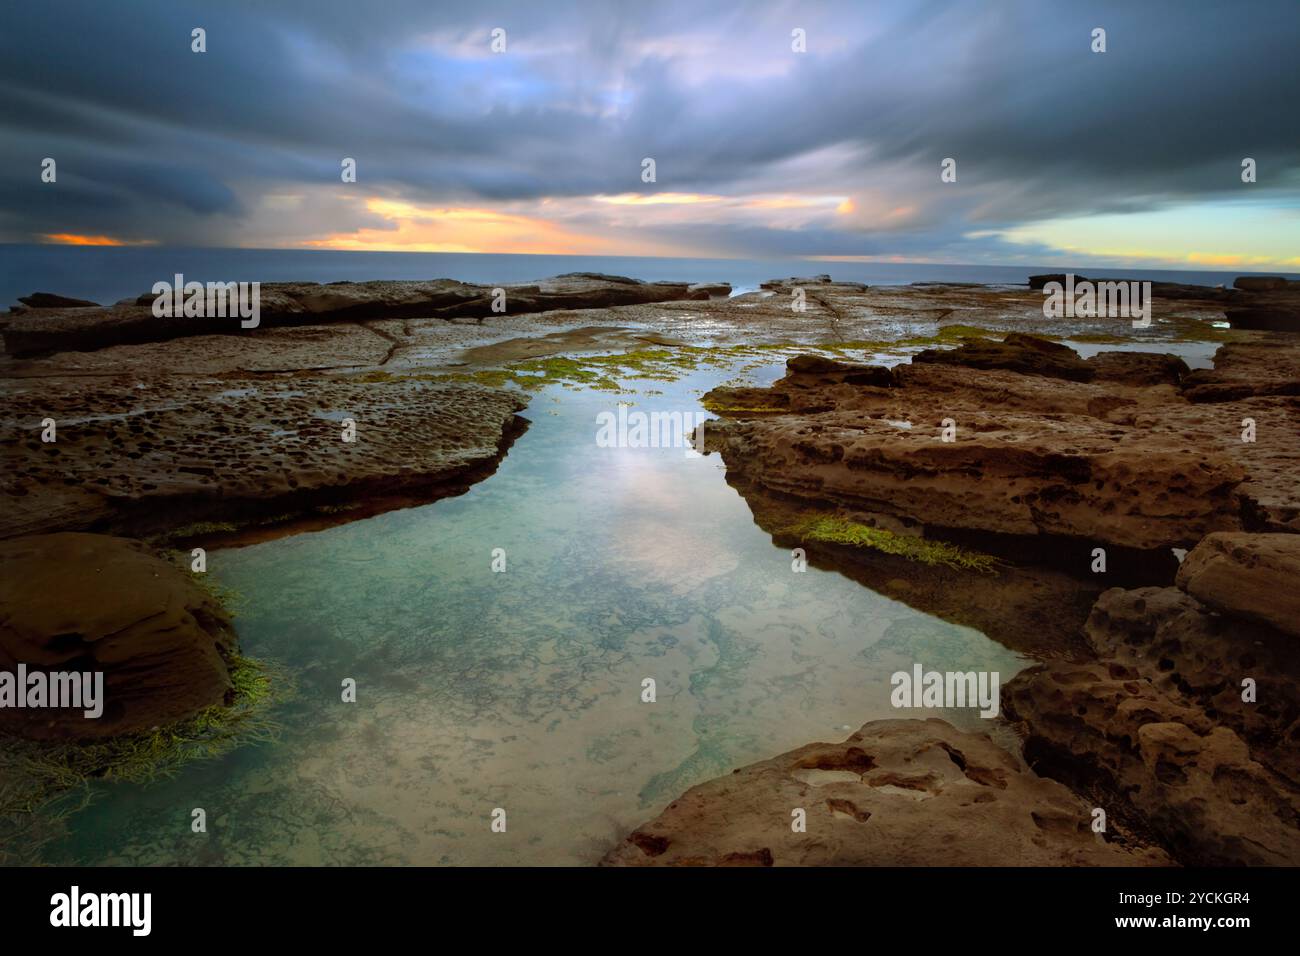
x=72, y=239
x=557, y=227
x=459, y=229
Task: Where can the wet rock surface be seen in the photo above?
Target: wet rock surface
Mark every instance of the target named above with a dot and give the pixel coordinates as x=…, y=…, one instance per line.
x=90, y=603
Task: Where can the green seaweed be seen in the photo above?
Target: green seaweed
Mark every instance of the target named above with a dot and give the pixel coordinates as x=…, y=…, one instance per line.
x=723, y=408
x=834, y=530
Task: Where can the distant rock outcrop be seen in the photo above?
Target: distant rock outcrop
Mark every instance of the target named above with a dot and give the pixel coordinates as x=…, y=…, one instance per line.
x=48, y=300
x=309, y=303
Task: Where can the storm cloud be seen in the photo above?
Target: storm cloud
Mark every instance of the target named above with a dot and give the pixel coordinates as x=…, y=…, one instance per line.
x=242, y=145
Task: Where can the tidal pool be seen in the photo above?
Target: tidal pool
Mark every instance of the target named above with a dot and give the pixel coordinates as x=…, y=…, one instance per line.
x=521, y=690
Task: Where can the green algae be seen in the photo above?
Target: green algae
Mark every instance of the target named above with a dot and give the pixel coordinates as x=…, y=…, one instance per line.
x=57, y=779
x=226, y=597
x=839, y=531
x=723, y=408
x=198, y=529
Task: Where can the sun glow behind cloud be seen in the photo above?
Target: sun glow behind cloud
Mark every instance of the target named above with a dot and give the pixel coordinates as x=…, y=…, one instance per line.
x=73, y=239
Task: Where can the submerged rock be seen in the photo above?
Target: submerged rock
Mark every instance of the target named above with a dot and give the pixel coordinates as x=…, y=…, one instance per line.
x=91, y=603
x=896, y=793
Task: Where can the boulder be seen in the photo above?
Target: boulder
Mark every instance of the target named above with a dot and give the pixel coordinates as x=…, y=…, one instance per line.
x=1190, y=653
x=1138, y=368
x=711, y=290
x=1259, y=283
x=826, y=371
x=93, y=603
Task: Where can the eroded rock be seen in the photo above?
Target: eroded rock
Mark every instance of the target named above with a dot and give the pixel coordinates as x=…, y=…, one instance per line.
x=171, y=451
x=1155, y=764
x=896, y=793
x=1202, y=658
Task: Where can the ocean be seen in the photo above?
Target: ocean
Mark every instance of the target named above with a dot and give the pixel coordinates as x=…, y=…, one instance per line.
x=106, y=274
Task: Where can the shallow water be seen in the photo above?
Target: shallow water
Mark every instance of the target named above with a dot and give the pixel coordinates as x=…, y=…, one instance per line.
x=522, y=690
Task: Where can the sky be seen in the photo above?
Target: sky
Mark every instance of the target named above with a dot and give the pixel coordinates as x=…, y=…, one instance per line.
x=1132, y=156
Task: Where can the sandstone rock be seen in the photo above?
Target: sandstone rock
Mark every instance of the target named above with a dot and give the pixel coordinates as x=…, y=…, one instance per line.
x=1192, y=654
x=1250, y=576
x=1269, y=317
x=822, y=283
x=711, y=290
x=1242, y=370
x=1032, y=456
x=87, y=602
x=1266, y=302
x=1164, y=290
x=896, y=793
x=1124, y=459
x=1155, y=765
x=173, y=451
x=825, y=371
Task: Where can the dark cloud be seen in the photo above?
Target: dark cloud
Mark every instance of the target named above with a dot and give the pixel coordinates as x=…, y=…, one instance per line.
x=156, y=142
